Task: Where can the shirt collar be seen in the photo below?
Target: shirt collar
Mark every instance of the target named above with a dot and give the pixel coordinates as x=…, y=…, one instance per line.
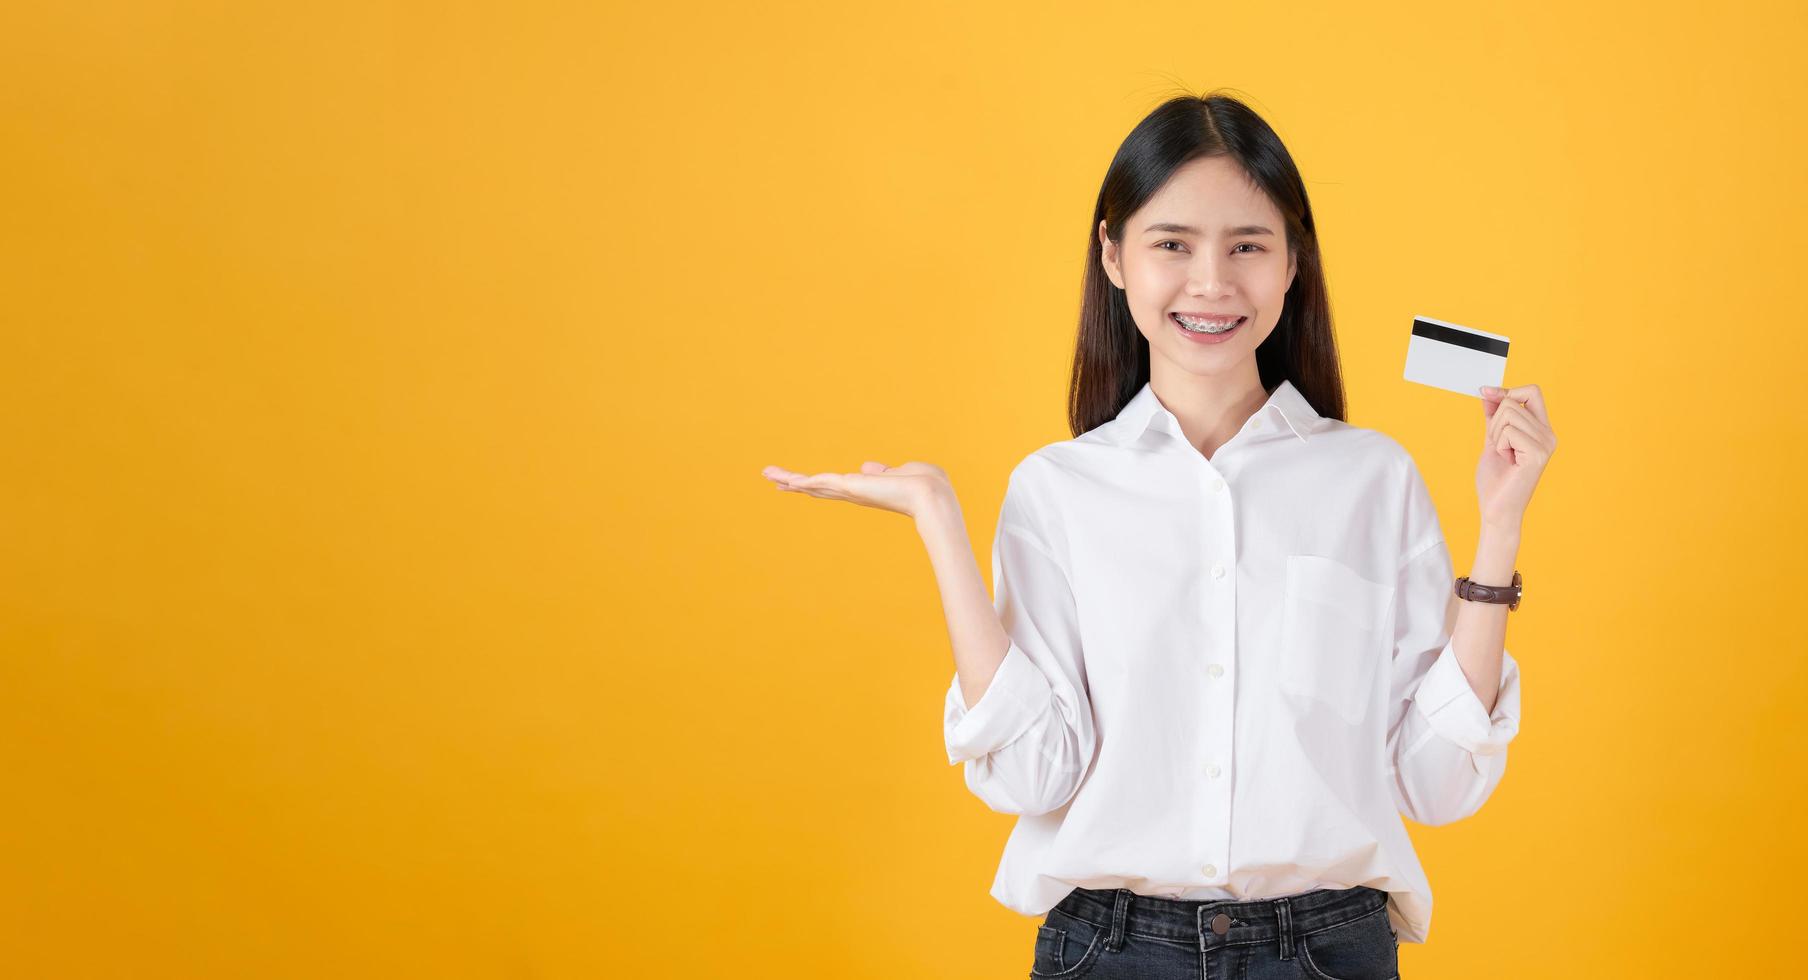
x=1285, y=404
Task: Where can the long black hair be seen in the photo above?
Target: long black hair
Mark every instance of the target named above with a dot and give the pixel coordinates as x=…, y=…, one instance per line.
x=1111, y=357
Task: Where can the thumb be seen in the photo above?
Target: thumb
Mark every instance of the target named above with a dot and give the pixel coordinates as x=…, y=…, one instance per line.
x=871, y=467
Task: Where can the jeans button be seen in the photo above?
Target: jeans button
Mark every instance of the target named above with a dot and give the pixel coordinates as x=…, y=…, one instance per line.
x=1220, y=923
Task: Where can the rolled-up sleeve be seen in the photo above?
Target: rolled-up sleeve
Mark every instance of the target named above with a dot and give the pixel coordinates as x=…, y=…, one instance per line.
x=1029, y=738
x=1447, y=751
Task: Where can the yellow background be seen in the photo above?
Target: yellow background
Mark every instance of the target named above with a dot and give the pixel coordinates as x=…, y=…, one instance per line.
x=389, y=583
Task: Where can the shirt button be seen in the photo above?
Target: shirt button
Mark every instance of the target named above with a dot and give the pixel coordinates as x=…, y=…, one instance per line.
x=1217, y=486
x=1215, y=670
x=1211, y=870
x=1211, y=771
x=1217, y=571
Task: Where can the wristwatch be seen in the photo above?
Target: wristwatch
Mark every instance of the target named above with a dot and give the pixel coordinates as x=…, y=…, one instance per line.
x=1476, y=592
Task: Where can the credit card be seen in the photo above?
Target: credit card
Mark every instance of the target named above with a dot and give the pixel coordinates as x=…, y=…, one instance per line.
x=1454, y=357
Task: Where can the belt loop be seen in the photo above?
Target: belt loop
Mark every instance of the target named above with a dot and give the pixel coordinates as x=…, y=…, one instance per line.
x=1119, y=910
x=1284, y=913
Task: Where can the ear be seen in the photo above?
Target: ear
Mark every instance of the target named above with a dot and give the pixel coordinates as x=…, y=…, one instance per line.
x=1108, y=257
x=1292, y=267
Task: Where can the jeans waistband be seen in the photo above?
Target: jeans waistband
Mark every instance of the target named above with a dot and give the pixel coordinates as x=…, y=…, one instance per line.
x=1223, y=922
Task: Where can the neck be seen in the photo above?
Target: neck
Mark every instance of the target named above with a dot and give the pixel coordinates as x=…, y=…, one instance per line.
x=1210, y=410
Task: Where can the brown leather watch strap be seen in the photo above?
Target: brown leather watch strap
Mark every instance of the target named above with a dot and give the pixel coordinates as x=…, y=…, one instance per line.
x=1476, y=592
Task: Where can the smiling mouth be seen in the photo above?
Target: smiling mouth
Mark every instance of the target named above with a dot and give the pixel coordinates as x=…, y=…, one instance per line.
x=1208, y=326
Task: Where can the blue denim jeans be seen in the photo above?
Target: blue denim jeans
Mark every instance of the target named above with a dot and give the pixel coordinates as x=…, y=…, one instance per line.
x=1327, y=934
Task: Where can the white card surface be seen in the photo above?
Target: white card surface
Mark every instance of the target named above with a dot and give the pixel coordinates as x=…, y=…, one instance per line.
x=1454, y=357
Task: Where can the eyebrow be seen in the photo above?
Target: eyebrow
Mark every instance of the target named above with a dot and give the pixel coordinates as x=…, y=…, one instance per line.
x=1190, y=230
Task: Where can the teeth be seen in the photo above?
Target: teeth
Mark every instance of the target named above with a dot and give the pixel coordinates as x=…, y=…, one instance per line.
x=1206, y=326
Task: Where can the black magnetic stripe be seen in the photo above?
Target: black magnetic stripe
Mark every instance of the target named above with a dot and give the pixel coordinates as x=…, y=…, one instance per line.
x=1461, y=338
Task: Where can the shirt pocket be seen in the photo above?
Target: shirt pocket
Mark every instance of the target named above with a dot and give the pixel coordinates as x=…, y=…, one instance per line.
x=1333, y=636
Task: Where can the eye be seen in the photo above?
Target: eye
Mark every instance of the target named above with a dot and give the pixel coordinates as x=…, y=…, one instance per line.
x=1170, y=241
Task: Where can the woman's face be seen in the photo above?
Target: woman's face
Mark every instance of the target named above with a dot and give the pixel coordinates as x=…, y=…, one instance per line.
x=1209, y=242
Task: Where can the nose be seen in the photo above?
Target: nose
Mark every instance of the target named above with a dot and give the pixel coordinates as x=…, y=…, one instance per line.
x=1206, y=276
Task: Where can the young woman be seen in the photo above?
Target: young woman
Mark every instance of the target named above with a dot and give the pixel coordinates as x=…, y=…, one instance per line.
x=1221, y=663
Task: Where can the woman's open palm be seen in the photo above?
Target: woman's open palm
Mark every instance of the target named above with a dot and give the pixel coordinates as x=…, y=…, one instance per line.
x=907, y=489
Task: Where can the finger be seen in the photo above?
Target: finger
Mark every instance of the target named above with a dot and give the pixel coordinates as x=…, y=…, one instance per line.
x=819, y=484
x=1496, y=418
x=1519, y=414
x=1529, y=395
x=1503, y=443
x=792, y=481
x=1508, y=410
x=839, y=486
x=1502, y=410
x=1497, y=433
x=1496, y=397
x=1523, y=446
x=871, y=467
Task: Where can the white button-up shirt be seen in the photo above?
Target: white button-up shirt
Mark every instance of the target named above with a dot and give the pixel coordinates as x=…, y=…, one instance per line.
x=1227, y=677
